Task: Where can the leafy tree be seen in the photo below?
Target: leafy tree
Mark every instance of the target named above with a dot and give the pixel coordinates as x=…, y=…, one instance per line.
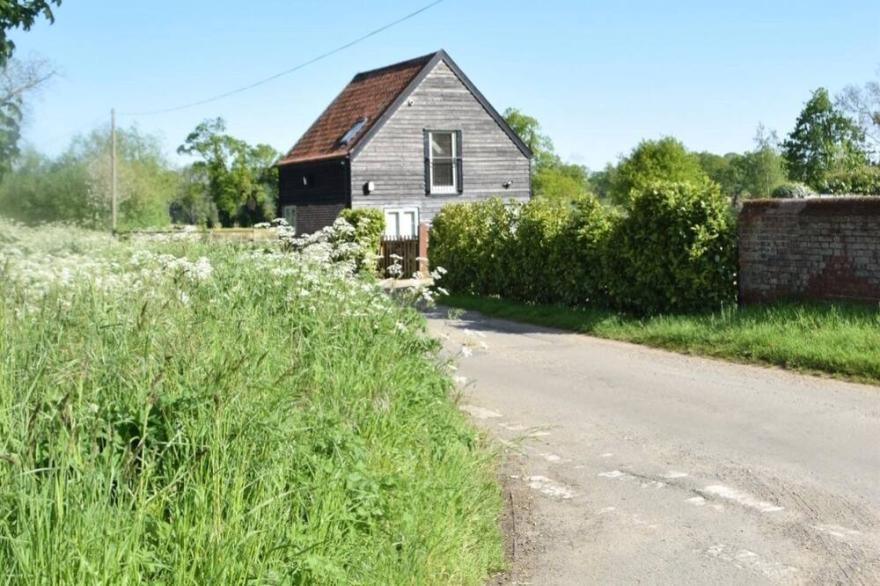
x=824, y=141
x=759, y=171
x=146, y=182
x=862, y=104
x=723, y=170
x=551, y=177
x=75, y=187
x=654, y=160
x=238, y=178
x=17, y=79
x=561, y=181
x=529, y=130
x=193, y=204
x=20, y=14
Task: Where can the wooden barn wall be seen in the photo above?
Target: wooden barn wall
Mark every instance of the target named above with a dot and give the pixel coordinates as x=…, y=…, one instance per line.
x=394, y=158
x=317, y=204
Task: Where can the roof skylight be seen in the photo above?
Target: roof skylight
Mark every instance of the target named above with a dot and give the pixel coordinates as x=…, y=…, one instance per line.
x=355, y=128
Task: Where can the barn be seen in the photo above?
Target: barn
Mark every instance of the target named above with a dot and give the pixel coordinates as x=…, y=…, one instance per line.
x=407, y=139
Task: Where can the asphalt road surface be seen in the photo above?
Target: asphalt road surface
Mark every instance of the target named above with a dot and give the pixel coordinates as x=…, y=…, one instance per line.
x=648, y=467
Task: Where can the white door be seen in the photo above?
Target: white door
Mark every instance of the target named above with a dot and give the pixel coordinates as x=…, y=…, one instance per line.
x=401, y=222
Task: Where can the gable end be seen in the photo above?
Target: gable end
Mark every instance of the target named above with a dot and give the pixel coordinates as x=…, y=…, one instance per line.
x=439, y=56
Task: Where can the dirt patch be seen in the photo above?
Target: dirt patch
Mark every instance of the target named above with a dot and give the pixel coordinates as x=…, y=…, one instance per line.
x=517, y=523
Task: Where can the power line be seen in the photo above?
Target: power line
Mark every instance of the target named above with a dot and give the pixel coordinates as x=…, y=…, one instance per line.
x=286, y=71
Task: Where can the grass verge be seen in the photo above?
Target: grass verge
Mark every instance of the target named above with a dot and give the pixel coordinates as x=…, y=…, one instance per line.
x=841, y=340
x=182, y=413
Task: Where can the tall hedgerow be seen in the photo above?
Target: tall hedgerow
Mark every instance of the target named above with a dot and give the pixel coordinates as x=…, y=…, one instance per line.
x=470, y=240
x=670, y=249
x=674, y=251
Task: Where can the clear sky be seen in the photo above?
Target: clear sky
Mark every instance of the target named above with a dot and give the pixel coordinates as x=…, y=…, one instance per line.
x=599, y=75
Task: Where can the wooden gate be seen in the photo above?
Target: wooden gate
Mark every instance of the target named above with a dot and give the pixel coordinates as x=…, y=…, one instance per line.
x=402, y=250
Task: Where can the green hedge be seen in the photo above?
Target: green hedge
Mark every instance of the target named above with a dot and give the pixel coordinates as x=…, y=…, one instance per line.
x=671, y=249
x=674, y=251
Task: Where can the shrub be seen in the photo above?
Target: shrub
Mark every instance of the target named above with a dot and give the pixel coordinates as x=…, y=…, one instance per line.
x=674, y=251
x=470, y=240
x=369, y=225
x=863, y=181
x=557, y=251
x=791, y=191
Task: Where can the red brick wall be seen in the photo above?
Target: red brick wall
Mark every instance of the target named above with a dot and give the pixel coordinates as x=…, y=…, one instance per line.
x=825, y=248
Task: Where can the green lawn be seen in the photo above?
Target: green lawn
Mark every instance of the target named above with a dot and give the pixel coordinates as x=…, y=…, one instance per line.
x=842, y=340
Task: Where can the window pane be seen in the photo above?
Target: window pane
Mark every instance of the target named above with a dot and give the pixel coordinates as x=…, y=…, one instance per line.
x=442, y=171
x=391, y=224
x=441, y=144
x=289, y=215
x=409, y=224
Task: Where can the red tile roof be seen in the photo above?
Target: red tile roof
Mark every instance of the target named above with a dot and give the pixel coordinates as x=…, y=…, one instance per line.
x=368, y=95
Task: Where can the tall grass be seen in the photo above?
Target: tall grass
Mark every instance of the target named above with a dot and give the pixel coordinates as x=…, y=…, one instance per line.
x=838, y=339
x=251, y=417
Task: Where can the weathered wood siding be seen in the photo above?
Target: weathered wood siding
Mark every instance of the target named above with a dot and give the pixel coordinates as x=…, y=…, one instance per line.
x=394, y=158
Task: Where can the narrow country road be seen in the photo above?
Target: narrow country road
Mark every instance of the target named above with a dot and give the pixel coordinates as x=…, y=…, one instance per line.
x=647, y=467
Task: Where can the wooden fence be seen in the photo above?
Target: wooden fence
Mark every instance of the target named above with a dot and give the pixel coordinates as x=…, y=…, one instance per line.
x=405, y=247
x=208, y=235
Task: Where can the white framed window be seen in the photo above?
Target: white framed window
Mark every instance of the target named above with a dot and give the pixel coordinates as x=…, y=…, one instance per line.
x=443, y=167
x=289, y=215
x=401, y=222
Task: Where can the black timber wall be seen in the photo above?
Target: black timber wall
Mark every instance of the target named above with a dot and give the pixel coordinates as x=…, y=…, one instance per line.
x=319, y=199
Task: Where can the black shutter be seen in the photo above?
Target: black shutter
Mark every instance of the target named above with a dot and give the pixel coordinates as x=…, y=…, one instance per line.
x=427, y=138
x=459, y=167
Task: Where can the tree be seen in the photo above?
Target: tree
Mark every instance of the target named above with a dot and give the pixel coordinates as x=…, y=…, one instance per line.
x=75, y=187
x=561, y=181
x=654, y=160
x=551, y=177
x=20, y=14
x=824, y=141
x=529, y=130
x=863, y=105
x=759, y=171
x=723, y=170
x=238, y=178
x=17, y=79
x=146, y=181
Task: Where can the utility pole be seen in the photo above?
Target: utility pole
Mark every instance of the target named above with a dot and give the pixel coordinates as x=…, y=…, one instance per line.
x=113, y=165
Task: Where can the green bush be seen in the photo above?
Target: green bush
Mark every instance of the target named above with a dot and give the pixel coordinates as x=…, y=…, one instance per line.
x=863, y=181
x=791, y=191
x=674, y=251
x=369, y=225
x=470, y=241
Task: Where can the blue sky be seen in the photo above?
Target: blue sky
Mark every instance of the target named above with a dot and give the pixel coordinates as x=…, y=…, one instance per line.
x=600, y=76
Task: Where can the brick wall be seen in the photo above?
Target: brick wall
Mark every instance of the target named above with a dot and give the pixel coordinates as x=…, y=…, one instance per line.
x=826, y=248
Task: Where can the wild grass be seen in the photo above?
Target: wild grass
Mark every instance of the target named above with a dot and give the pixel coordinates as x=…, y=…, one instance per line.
x=842, y=340
x=181, y=413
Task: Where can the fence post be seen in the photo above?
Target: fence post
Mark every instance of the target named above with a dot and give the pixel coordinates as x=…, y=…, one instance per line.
x=423, y=248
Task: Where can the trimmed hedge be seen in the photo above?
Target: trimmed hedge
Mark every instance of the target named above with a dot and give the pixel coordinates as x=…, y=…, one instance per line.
x=673, y=249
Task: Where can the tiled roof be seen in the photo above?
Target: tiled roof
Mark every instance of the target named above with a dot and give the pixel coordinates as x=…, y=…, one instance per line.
x=367, y=96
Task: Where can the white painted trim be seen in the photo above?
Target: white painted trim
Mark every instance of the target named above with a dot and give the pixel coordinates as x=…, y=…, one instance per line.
x=443, y=189
x=400, y=214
